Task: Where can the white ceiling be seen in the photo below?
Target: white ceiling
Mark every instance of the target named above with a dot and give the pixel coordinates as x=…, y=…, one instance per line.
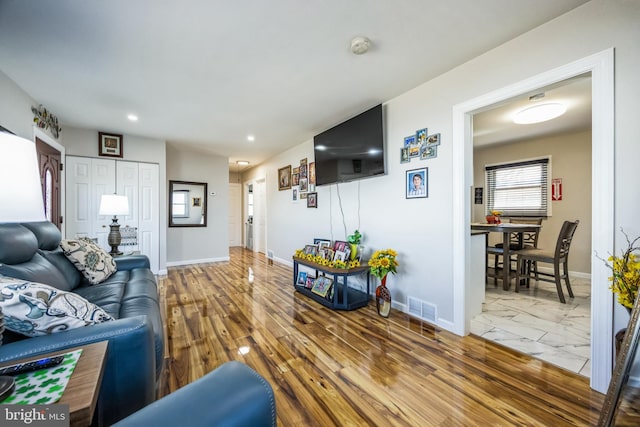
x=495, y=125
x=206, y=73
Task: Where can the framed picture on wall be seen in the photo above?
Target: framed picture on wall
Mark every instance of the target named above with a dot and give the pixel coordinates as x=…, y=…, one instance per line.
x=109, y=144
x=417, y=185
x=284, y=178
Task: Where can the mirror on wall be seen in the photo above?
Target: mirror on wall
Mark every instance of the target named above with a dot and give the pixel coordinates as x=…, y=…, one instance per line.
x=187, y=204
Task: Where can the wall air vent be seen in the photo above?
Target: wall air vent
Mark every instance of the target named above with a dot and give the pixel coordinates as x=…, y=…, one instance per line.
x=423, y=310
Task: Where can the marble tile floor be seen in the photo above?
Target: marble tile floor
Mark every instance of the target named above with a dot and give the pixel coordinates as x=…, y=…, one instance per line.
x=536, y=323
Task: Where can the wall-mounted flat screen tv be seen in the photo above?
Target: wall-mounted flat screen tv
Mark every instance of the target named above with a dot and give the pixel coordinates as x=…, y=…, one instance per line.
x=351, y=150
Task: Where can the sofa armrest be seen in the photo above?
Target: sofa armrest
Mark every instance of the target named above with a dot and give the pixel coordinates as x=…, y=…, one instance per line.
x=128, y=382
x=232, y=395
x=129, y=262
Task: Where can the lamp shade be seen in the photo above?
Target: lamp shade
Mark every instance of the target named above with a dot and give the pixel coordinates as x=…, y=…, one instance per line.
x=112, y=204
x=20, y=188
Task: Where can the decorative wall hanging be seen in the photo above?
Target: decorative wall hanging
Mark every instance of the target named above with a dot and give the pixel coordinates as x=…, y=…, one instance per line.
x=45, y=120
x=284, y=178
x=420, y=145
x=417, y=185
x=109, y=144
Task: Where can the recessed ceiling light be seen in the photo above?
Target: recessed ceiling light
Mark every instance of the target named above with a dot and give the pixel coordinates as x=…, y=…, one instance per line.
x=132, y=117
x=251, y=138
x=539, y=113
x=242, y=162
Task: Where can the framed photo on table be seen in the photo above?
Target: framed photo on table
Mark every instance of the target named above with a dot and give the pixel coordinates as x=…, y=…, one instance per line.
x=109, y=144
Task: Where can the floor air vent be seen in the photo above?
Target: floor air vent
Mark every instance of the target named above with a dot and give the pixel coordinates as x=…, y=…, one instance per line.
x=422, y=309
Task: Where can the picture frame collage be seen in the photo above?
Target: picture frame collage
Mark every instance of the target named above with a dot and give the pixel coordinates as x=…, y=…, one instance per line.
x=302, y=182
x=421, y=145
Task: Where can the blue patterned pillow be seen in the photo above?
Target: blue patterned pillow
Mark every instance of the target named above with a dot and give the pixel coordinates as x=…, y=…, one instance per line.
x=34, y=309
x=95, y=264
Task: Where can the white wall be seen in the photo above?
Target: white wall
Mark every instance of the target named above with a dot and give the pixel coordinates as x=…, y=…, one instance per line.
x=420, y=229
x=84, y=142
x=187, y=245
x=15, y=108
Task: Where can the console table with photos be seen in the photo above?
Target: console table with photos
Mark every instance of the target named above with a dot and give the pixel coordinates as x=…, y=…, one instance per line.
x=342, y=296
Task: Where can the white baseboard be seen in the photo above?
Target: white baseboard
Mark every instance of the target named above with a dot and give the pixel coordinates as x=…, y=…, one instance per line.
x=196, y=261
x=284, y=261
x=162, y=272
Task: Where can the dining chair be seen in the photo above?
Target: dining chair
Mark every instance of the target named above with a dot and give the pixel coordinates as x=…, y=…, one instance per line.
x=557, y=257
x=529, y=241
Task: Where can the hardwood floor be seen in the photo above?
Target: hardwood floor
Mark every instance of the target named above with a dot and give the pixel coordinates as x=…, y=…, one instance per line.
x=355, y=368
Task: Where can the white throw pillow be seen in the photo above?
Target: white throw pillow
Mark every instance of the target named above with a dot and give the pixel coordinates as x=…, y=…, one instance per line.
x=34, y=309
x=95, y=264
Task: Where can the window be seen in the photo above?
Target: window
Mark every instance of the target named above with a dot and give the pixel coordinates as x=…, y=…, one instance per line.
x=180, y=204
x=518, y=189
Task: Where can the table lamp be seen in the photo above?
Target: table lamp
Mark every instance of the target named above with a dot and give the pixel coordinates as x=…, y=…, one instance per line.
x=112, y=204
x=20, y=197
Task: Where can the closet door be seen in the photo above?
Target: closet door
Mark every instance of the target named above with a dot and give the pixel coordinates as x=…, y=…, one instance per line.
x=149, y=213
x=103, y=181
x=87, y=180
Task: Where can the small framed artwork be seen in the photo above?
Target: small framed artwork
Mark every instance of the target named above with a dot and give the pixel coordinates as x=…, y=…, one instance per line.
x=322, y=243
x=326, y=253
x=312, y=173
x=404, y=155
x=311, y=249
x=417, y=185
x=411, y=144
x=304, y=185
x=340, y=256
x=421, y=136
x=302, y=278
x=321, y=286
x=295, y=179
x=109, y=144
x=304, y=171
x=284, y=178
x=428, y=152
x=339, y=245
x=477, y=196
x=433, y=140
x=294, y=194
x=312, y=200
x=309, y=282
x=196, y=201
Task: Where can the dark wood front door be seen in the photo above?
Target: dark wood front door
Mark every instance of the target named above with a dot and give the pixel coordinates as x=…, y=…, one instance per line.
x=49, y=161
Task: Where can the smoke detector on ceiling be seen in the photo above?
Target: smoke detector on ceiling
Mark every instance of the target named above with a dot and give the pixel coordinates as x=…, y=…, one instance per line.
x=360, y=45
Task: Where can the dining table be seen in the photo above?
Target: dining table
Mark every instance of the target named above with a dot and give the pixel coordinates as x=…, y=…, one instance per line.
x=506, y=229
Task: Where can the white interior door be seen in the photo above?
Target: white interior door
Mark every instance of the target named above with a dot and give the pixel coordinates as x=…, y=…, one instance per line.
x=260, y=215
x=79, y=217
x=235, y=214
x=103, y=181
x=149, y=213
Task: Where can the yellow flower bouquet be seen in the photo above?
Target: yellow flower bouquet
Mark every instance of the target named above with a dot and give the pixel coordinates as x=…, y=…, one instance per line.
x=625, y=269
x=383, y=262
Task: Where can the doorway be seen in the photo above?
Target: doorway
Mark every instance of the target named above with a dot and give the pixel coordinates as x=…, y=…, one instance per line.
x=260, y=216
x=601, y=66
x=534, y=321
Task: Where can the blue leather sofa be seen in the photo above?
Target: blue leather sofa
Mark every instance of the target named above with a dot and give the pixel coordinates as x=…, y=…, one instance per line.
x=30, y=251
x=232, y=395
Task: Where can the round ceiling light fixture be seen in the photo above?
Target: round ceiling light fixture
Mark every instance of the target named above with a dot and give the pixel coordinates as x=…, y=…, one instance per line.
x=360, y=45
x=539, y=113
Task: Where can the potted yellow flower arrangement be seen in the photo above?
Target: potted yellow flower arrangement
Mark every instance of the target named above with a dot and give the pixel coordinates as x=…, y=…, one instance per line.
x=625, y=270
x=383, y=262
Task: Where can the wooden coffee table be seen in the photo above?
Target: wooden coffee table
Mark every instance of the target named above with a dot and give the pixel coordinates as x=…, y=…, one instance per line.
x=81, y=393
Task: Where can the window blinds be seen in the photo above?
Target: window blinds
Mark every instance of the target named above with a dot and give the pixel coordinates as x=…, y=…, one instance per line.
x=518, y=189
